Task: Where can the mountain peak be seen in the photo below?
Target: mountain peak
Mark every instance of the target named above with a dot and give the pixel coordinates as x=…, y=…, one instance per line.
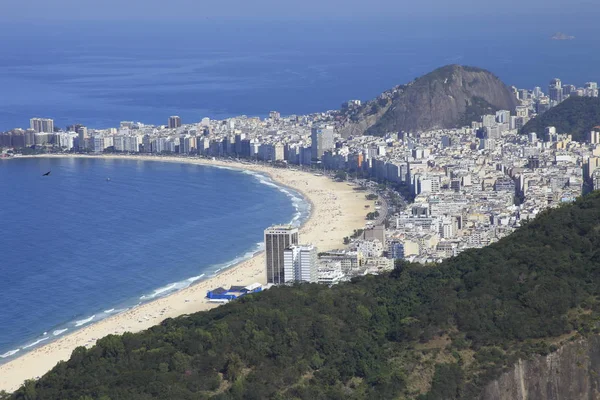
x=443, y=98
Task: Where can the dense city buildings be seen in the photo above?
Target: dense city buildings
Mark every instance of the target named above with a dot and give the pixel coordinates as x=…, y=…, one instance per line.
x=468, y=187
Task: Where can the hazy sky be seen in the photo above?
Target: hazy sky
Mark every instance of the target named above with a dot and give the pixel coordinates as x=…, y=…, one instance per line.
x=170, y=10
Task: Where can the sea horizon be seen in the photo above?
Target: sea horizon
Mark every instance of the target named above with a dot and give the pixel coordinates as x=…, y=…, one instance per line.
x=223, y=68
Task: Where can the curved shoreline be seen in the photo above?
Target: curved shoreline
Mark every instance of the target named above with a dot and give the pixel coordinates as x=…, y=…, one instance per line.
x=335, y=211
x=104, y=312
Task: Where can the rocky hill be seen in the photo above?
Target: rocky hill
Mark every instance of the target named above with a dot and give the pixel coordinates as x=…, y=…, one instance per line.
x=449, y=97
x=576, y=115
x=569, y=373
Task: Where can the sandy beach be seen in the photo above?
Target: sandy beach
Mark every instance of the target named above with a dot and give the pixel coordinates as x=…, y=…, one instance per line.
x=336, y=211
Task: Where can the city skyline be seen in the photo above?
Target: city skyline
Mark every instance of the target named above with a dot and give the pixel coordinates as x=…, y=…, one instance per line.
x=520, y=166
x=415, y=186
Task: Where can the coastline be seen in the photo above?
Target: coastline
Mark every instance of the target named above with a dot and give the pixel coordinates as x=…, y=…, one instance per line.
x=335, y=211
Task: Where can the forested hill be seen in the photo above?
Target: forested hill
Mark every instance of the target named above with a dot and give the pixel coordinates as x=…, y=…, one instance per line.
x=426, y=332
x=576, y=115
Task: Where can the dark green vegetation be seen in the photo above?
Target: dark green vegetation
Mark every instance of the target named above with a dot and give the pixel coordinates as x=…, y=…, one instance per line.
x=357, y=233
x=426, y=332
x=475, y=108
x=576, y=115
x=372, y=215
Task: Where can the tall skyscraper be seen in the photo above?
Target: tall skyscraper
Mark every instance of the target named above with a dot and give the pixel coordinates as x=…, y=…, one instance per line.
x=300, y=264
x=321, y=141
x=82, y=133
x=174, y=122
x=277, y=240
x=555, y=91
x=42, y=125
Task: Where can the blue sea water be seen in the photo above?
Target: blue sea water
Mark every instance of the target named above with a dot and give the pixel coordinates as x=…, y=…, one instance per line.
x=76, y=247
x=99, y=73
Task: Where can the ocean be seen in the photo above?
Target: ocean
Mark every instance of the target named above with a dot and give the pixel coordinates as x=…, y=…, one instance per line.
x=76, y=247
x=100, y=73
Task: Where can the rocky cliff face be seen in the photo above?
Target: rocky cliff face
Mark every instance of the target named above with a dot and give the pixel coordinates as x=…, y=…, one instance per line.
x=446, y=98
x=571, y=373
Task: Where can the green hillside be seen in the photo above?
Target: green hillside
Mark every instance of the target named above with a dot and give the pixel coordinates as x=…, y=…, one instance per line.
x=576, y=115
x=426, y=332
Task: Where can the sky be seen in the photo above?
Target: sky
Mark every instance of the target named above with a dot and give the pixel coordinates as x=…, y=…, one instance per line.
x=172, y=10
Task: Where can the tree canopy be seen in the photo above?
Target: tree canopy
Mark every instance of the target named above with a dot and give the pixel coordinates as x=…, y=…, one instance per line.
x=423, y=331
x=575, y=115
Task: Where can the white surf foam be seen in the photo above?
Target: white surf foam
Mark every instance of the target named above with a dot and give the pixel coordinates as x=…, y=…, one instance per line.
x=9, y=353
x=109, y=311
x=297, y=201
x=59, y=332
x=224, y=167
x=35, y=343
x=160, y=291
x=85, y=321
x=195, y=278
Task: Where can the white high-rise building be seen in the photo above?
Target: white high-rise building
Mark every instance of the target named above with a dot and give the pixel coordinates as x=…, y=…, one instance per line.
x=532, y=137
x=446, y=228
x=488, y=120
x=300, y=264
x=277, y=240
x=555, y=90
x=65, y=140
x=591, y=89
x=130, y=144
x=321, y=140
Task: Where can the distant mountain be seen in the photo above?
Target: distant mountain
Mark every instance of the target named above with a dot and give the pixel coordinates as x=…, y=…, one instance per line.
x=449, y=97
x=576, y=115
